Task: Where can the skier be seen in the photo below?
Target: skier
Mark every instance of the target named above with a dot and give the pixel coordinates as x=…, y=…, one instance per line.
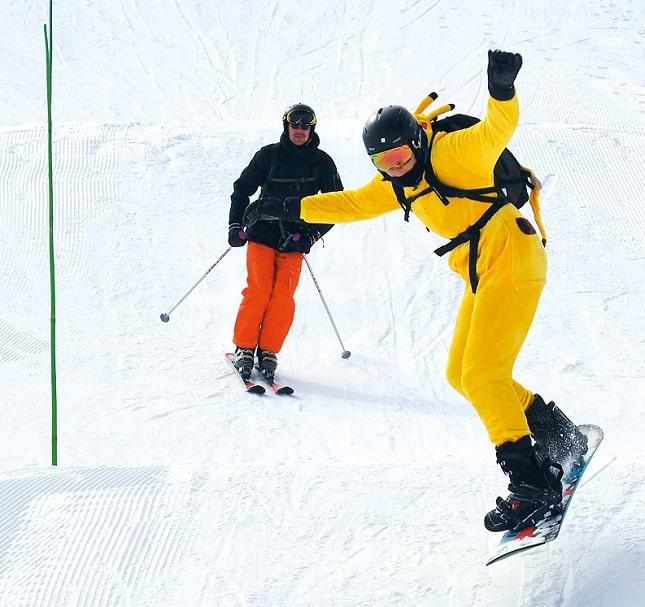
x=294, y=166
x=504, y=274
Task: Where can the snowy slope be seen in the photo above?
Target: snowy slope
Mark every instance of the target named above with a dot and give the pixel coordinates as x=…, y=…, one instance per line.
x=174, y=488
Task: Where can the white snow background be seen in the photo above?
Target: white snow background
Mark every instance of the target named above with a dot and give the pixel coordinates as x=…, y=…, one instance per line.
x=368, y=487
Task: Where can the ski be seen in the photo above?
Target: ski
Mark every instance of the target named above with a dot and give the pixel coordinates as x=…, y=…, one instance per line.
x=249, y=385
x=549, y=528
x=274, y=385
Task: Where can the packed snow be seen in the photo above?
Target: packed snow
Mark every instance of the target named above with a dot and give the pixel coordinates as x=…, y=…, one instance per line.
x=369, y=485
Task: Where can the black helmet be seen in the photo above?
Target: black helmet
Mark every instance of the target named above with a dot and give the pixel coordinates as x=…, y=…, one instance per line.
x=299, y=113
x=390, y=127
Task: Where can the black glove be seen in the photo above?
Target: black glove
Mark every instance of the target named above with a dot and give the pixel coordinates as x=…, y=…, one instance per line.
x=312, y=238
x=236, y=235
x=502, y=71
x=273, y=208
x=304, y=241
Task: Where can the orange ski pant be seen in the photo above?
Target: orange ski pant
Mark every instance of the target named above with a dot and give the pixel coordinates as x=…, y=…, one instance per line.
x=267, y=309
x=493, y=323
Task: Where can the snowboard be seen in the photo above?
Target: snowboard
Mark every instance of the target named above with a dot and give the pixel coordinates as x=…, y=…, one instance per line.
x=549, y=528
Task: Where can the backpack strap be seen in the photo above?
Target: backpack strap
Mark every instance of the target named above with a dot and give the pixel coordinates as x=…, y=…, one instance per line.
x=444, y=191
x=497, y=196
x=300, y=181
x=473, y=232
x=534, y=201
x=437, y=187
x=471, y=235
x=316, y=175
x=406, y=203
x=274, y=159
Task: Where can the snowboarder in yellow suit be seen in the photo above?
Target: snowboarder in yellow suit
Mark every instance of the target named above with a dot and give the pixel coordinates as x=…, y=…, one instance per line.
x=502, y=260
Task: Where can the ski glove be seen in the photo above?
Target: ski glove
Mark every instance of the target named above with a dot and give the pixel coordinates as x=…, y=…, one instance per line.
x=303, y=242
x=236, y=235
x=273, y=208
x=502, y=71
x=313, y=238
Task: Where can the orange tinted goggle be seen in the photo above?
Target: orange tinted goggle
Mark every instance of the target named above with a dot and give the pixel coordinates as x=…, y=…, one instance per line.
x=394, y=158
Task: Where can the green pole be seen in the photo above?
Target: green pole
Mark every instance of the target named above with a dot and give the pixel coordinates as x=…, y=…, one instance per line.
x=52, y=274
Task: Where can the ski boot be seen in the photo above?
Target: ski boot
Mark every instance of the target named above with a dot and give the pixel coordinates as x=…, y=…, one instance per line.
x=244, y=362
x=267, y=363
x=536, y=488
x=556, y=437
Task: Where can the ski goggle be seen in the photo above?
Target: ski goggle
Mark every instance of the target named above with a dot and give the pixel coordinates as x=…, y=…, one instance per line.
x=301, y=119
x=394, y=158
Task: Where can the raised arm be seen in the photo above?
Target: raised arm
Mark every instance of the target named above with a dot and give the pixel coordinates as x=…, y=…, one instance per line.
x=466, y=158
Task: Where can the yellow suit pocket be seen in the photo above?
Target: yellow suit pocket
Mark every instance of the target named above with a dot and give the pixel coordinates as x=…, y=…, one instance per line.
x=529, y=256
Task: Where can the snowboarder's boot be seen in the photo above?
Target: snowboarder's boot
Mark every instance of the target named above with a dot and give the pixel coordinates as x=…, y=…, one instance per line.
x=556, y=436
x=244, y=362
x=536, y=488
x=267, y=363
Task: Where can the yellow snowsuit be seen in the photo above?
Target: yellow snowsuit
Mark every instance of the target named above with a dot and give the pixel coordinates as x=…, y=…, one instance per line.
x=492, y=323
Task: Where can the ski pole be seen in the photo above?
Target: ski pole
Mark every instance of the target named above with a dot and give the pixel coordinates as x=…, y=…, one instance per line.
x=165, y=317
x=345, y=353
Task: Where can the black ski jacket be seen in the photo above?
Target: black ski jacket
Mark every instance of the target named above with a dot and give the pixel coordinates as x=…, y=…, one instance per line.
x=284, y=169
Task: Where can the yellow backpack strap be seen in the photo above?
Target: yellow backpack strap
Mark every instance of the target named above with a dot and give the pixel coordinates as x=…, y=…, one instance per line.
x=534, y=201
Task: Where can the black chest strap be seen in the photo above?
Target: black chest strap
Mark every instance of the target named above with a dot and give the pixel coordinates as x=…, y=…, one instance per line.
x=406, y=203
x=471, y=235
x=496, y=196
x=305, y=185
